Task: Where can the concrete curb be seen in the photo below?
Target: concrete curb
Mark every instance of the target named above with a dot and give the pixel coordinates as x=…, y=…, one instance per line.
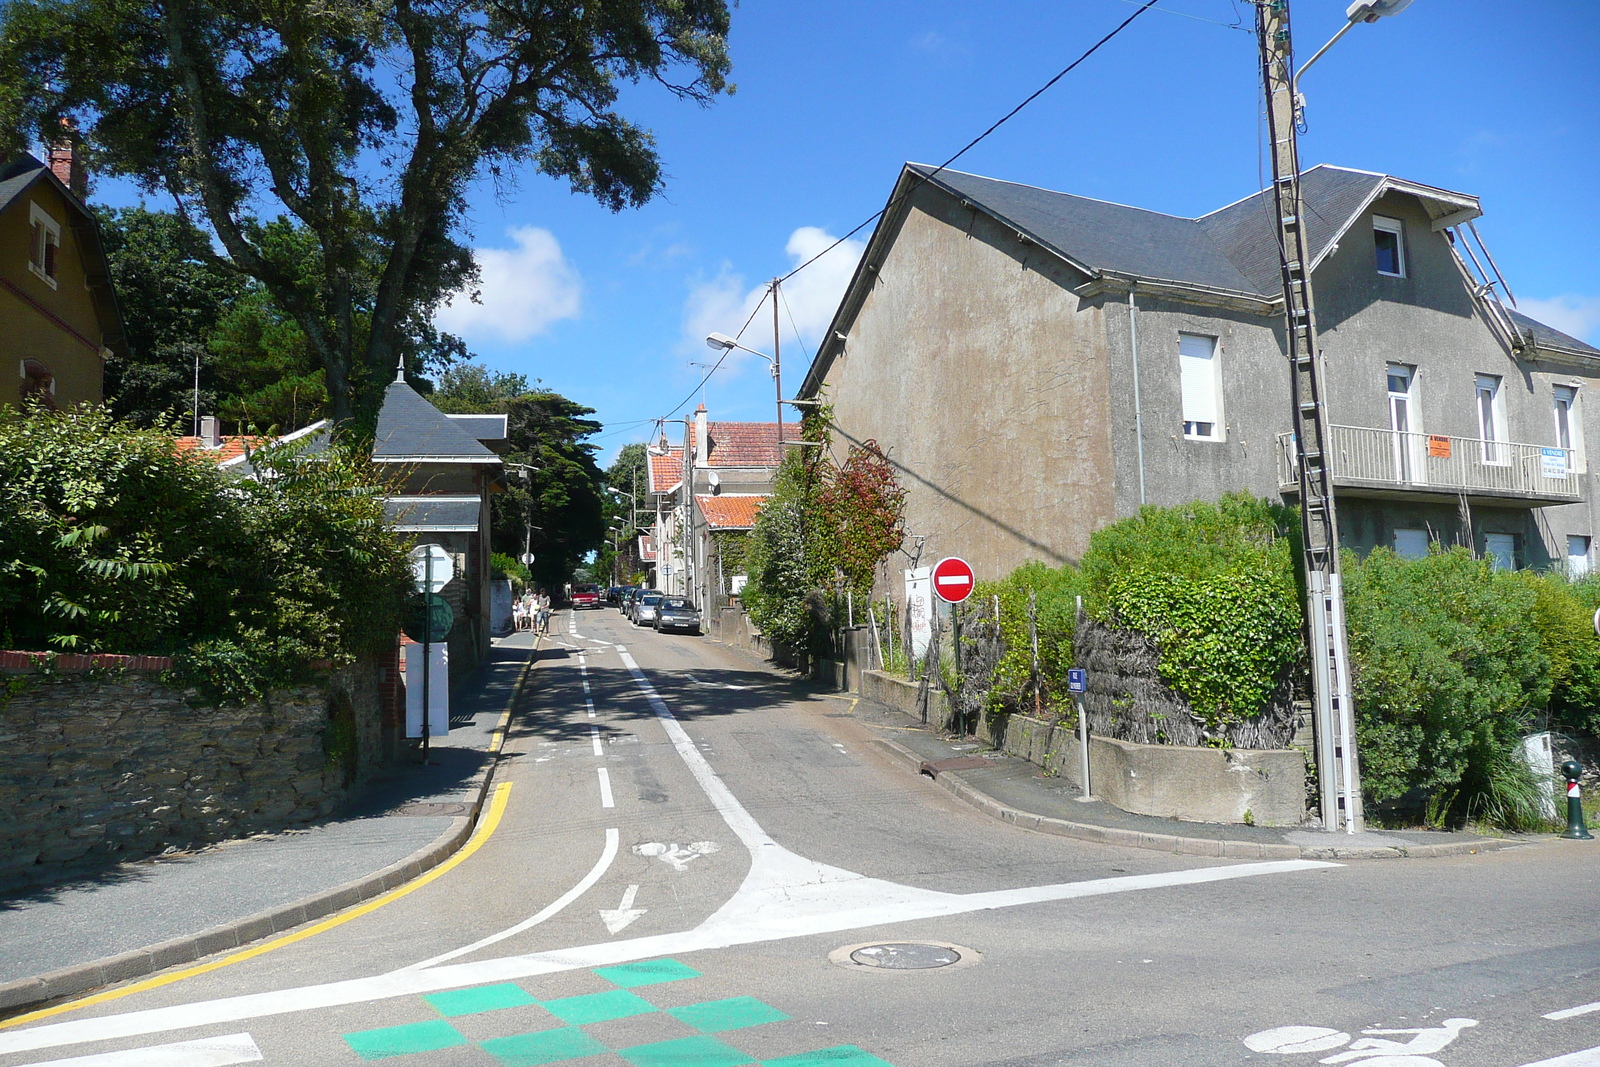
x=137, y=963
x=1191, y=846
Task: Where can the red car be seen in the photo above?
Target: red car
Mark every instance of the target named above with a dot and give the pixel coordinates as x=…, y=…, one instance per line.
x=586, y=596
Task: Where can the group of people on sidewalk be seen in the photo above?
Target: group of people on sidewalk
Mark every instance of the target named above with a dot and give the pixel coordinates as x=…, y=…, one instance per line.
x=531, y=611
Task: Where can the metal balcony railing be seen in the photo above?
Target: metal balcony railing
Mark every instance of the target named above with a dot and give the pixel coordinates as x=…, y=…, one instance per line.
x=1388, y=459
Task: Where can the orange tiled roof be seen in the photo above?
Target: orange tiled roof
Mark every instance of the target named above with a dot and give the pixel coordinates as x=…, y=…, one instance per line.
x=747, y=444
x=647, y=548
x=665, y=471
x=730, y=512
x=231, y=446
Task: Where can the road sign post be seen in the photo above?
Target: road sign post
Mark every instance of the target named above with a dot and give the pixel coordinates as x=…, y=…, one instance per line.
x=1077, y=685
x=433, y=569
x=953, y=582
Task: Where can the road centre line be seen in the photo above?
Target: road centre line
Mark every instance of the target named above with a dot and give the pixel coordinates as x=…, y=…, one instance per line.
x=607, y=856
x=1573, y=1013
x=605, y=789
x=783, y=896
x=594, y=735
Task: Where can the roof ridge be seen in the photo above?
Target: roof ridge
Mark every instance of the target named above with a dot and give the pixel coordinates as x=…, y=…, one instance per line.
x=1060, y=192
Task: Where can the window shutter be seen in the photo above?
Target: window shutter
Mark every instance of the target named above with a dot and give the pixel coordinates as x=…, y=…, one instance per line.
x=1198, y=377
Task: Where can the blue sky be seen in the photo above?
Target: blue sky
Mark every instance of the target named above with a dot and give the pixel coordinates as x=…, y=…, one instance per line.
x=1494, y=99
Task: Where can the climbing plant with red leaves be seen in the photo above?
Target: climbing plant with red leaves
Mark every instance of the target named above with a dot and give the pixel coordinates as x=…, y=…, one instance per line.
x=861, y=508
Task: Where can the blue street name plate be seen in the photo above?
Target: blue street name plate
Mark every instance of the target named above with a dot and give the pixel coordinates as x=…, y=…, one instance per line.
x=1077, y=680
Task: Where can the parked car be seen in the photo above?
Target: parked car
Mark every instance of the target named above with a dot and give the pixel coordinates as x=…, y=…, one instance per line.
x=625, y=602
x=644, y=608
x=676, y=613
x=585, y=596
x=614, y=595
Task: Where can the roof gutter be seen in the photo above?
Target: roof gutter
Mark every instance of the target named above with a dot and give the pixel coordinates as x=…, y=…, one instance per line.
x=1121, y=284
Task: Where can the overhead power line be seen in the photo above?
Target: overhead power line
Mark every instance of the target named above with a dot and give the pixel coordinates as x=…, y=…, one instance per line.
x=875, y=216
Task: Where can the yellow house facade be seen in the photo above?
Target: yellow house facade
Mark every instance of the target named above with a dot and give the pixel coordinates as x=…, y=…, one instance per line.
x=59, y=319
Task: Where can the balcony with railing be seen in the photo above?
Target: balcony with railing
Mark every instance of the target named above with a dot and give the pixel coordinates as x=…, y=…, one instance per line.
x=1424, y=465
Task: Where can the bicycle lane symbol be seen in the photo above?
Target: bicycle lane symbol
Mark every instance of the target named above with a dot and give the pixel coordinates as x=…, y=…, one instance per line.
x=1376, y=1049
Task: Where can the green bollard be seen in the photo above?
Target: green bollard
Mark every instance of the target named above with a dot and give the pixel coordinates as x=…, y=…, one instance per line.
x=1572, y=770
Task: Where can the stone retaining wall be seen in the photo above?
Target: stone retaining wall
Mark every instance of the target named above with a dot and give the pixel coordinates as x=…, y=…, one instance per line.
x=105, y=765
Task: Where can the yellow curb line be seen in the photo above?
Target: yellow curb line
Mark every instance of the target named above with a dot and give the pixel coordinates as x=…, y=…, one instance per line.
x=485, y=828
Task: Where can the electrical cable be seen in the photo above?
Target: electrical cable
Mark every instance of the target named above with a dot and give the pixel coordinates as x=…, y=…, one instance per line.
x=974, y=142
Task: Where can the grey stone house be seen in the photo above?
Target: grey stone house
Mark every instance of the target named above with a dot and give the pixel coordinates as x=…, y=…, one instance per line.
x=1038, y=365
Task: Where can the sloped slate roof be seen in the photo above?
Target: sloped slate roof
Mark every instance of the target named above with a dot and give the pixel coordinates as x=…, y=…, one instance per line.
x=730, y=512
x=482, y=427
x=411, y=430
x=1550, y=337
x=436, y=514
x=746, y=444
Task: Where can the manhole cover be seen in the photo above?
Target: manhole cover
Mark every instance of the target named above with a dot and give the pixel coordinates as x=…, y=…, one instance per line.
x=432, y=808
x=903, y=955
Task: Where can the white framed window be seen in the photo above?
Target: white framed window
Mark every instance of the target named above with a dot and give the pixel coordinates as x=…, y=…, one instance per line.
x=1411, y=544
x=1389, y=241
x=44, y=244
x=1569, y=425
x=1577, y=555
x=1501, y=550
x=1491, y=418
x=1405, y=420
x=1200, y=380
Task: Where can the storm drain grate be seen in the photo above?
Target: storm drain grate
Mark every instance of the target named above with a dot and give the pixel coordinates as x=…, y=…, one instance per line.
x=433, y=808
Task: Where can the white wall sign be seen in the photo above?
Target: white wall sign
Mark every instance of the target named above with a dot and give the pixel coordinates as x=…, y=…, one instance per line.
x=438, y=691
x=919, y=604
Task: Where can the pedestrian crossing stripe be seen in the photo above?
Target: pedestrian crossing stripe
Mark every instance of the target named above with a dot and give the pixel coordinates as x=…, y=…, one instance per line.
x=569, y=1042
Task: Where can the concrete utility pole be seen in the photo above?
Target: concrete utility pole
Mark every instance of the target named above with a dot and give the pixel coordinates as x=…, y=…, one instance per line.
x=777, y=367
x=1337, y=774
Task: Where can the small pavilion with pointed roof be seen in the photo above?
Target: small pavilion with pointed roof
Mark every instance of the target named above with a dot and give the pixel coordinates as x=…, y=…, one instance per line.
x=444, y=469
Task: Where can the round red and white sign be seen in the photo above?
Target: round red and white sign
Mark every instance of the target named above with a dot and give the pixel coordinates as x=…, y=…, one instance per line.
x=953, y=580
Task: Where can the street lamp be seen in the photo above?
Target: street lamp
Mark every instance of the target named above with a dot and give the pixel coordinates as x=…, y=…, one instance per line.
x=1359, y=12
x=633, y=503
x=721, y=342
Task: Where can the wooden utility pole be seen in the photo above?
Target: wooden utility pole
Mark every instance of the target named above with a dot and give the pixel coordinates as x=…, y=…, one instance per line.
x=1338, y=776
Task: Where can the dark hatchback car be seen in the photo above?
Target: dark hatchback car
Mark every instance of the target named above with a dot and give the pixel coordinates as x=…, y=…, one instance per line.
x=676, y=613
x=625, y=601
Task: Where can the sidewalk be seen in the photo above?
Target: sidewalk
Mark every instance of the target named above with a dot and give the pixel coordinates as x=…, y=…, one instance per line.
x=1017, y=791
x=141, y=917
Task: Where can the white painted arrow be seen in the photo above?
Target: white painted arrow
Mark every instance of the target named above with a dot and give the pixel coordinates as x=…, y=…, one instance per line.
x=625, y=912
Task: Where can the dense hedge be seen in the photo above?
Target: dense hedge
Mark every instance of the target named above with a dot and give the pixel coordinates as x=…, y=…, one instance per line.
x=1453, y=661
x=112, y=541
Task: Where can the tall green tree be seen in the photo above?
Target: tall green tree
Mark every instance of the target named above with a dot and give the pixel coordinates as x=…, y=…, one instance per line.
x=364, y=121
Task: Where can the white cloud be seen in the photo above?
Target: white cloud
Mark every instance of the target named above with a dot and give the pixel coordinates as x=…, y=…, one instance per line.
x=521, y=292
x=1575, y=315
x=722, y=304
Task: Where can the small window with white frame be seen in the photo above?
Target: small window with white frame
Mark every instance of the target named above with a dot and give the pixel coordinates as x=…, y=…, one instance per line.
x=44, y=244
x=1389, y=239
x=1200, y=381
x=1569, y=425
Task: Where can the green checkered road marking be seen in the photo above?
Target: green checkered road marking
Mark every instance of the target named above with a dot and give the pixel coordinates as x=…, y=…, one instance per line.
x=400, y=1040
x=735, y=1013
x=547, y=1046
x=650, y=972
x=598, y=1007
x=685, y=1052
x=838, y=1056
x=483, y=998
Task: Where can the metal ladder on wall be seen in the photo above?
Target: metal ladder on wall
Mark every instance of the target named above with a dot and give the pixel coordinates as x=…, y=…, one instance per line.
x=1337, y=773
x=1481, y=272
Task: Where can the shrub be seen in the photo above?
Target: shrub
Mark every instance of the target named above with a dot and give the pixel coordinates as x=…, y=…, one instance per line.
x=1054, y=592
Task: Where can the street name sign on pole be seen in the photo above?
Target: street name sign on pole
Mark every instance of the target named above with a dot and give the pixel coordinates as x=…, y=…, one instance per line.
x=1077, y=685
x=433, y=568
x=953, y=579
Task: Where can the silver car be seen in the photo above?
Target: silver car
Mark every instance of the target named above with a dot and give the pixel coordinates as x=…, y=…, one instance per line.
x=644, y=609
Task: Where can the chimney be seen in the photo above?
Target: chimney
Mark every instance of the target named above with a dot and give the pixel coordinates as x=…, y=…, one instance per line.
x=66, y=160
x=701, y=441
x=210, y=431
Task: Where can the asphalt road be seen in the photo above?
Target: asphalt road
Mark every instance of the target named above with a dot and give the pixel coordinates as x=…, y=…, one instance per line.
x=684, y=849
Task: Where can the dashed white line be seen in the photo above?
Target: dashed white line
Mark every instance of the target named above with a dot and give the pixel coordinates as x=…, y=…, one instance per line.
x=594, y=735
x=590, y=705
x=1573, y=1013
x=206, y=1052
x=1589, y=1057
x=605, y=789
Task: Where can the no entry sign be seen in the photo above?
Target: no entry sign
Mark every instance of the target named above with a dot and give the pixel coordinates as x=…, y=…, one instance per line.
x=953, y=580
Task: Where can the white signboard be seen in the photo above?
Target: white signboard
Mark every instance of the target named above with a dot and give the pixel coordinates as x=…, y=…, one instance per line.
x=438, y=691
x=439, y=574
x=1553, y=462
x=737, y=582
x=919, y=605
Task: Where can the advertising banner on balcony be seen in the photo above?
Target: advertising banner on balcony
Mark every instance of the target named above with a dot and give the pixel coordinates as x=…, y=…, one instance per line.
x=1438, y=446
x=1553, y=462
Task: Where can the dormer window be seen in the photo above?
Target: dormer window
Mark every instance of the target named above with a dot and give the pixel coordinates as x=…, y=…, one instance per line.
x=1388, y=236
x=44, y=244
